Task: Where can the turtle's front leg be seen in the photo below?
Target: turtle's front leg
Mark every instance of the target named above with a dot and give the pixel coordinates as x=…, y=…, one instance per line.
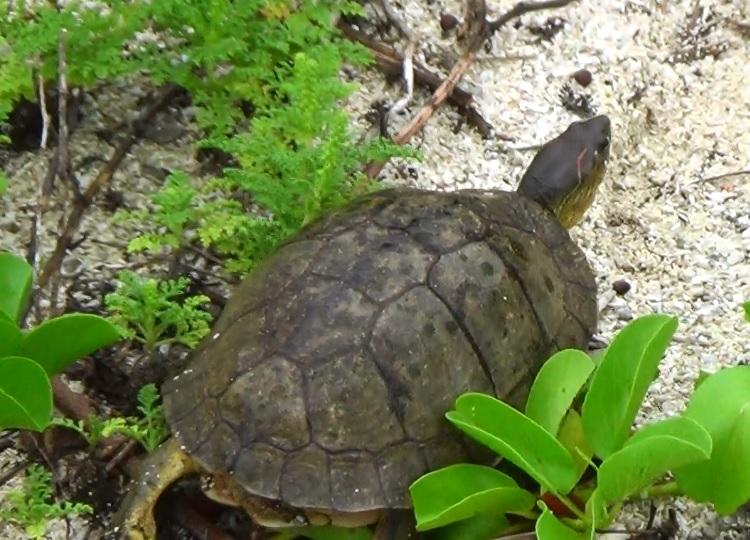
x=135, y=518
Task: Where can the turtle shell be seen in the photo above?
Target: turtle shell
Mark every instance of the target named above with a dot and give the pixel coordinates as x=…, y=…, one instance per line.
x=325, y=382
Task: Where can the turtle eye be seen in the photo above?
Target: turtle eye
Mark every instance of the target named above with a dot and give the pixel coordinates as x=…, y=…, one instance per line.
x=604, y=144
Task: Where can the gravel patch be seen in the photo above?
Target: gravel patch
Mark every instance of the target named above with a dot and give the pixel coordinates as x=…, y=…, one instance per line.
x=680, y=239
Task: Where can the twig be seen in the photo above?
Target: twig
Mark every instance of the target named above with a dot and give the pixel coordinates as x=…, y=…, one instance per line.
x=8, y=475
x=45, y=113
x=408, y=74
x=7, y=440
x=390, y=61
x=73, y=220
x=71, y=403
x=407, y=71
x=479, y=31
x=522, y=8
x=725, y=175
x=65, y=169
x=123, y=451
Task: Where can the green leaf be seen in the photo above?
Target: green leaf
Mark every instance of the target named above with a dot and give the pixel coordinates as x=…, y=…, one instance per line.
x=572, y=437
x=25, y=394
x=463, y=490
x=596, y=512
x=746, y=309
x=548, y=527
x=57, y=343
x=479, y=527
x=556, y=386
x=622, y=379
x=654, y=450
x=520, y=440
x=702, y=376
x=3, y=183
x=15, y=282
x=10, y=338
x=721, y=404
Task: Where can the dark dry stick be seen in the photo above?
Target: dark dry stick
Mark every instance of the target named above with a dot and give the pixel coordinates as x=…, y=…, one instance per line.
x=72, y=404
x=8, y=475
x=726, y=175
x=390, y=62
x=73, y=220
x=123, y=452
x=7, y=440
x=479, y=31
x=522, y=8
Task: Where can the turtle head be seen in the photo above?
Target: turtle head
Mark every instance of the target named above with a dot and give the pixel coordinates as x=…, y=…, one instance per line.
x=565, y=173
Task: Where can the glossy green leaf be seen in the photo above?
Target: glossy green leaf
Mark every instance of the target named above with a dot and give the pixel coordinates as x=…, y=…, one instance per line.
x=702, y=376
x=653, y=451
x=25, y=394
x=15, y=283
x=479, y=527
x=556, y=386
x=622, y=379
x=572, y=437
x=460, y=491
x=517, y=438
x=548, y=527
x=57, y=343
x=596, y=513
x=721, y=404
x=10, y=338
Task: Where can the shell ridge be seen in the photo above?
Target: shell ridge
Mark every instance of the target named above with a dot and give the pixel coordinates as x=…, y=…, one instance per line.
x=516, y=275
x=464, y=329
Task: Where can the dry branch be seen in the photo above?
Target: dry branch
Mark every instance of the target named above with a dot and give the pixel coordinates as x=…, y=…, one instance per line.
x=390, y=62
x=73, y=221
x=477, y=32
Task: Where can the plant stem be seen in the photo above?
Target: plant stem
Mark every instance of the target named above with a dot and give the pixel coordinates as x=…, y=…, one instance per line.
x=668, y=489
x=570, y=505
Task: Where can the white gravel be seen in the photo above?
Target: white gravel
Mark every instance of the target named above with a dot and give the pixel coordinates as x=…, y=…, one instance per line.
x=681, y=241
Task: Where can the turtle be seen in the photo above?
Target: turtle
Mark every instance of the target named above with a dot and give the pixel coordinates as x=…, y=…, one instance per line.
x=320, y=394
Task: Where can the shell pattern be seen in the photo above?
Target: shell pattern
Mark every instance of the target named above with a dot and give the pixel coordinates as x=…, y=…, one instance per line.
x=327, y=377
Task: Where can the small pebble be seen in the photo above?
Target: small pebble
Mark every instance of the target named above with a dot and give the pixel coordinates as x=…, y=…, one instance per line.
x=624, y=313
x=583, y=77
x=621, y=287
x=448, y=22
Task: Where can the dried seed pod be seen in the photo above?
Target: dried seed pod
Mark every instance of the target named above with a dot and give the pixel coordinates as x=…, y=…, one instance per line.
x=621, y=287
x=448, y=22
x=583, y=77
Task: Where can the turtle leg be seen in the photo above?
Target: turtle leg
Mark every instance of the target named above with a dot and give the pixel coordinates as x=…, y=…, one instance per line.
x=135, y=518
x=396, y=525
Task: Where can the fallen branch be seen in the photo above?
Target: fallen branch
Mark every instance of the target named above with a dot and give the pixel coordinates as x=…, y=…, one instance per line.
x=478, y=31
x=80, y=205
x=391, y=62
